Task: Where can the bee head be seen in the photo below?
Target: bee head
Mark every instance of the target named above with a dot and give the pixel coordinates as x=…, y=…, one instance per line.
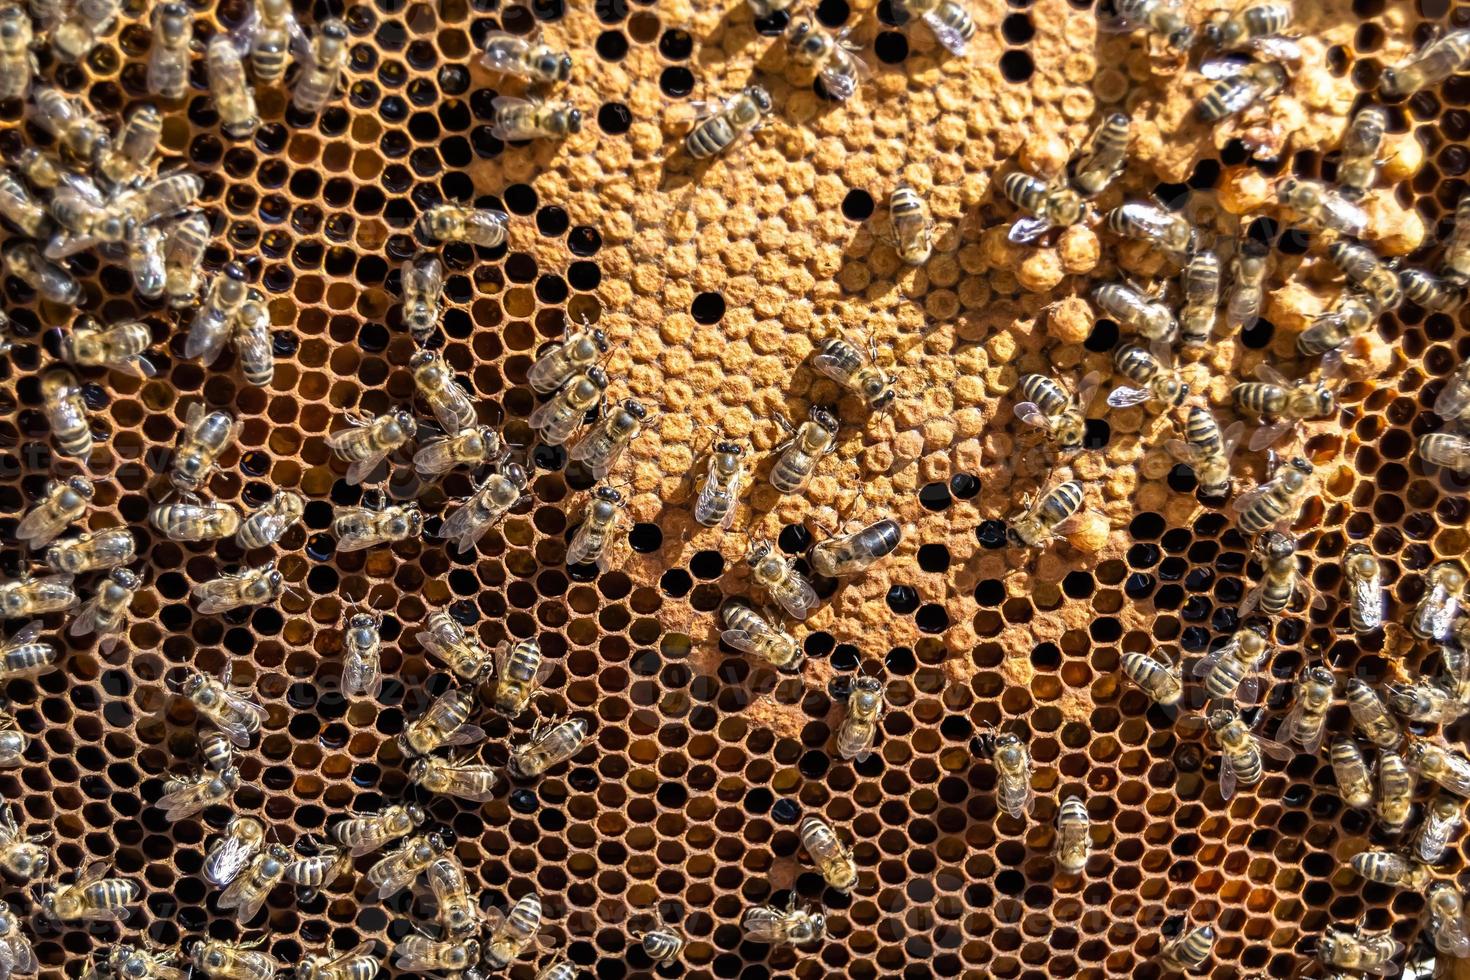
x=760, y=97
x=635, y=408
x=81, y=486
x=1182, y=38
x=1301, y=465
x=574, y=120
x=563, y=68
x=609, y=494
x=1221, y=717
x=730, y=448
x=334, y=30
x=758, y=551
x=823, y=416
x=516, y=474
x=597, y=376
x=600, y=339
x=416, y=814
x=422, y=357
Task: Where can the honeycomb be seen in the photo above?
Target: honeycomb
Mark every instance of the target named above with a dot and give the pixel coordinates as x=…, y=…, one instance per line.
x=715, y=282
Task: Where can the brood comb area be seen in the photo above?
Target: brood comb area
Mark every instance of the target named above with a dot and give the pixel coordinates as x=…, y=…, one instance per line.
x=714, y=282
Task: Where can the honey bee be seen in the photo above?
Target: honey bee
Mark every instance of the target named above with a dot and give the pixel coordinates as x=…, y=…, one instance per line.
x=1049, y=407
x=234, y=97
x=146, y=262
x=951, y=23
x=1224, y=30
x=80, y=136
x=1241, y=751
x=83, y=28
x=92, y=552
x=322, y=68
x=1424, y=699
x=252, y=340
x=833, y=57
x=1430, y=292
x=358, y=963
x=22, y=858
x=595, y=534
x=93, y=897
x=363, y=835
x=1364, y=269
x=559, y=418
x=361, y=663
x=1281, y=578
x=124, y=960
x=16, y=954
x=1152, y=371
x=797, y=457
x=1232, y=666
x=1323, y=208
x=13, y=742
x=49, y=280
x=832, y=857
x=1106, y=154
x=1150, y=222
x=214, y=321
x=360, y=528
x=1371, y=716
x=1277, y=501
x=663, y=943
x=205, y=437
x=126, y=161
x=1239, y=85
x=318, y=870
x=1436, y=609
x=274, y=518
x=1162, y=682
x=528, y=59
x=566, y=358
x=1445, y=919
x=41, y=169
x=186, y=796
x=269, y=35
x=61, y=503
x=530, y=118
x=852, y=554
x=443, y=725
x=1306, y=722
x=549, y=745
x=17, y=204
x=715, y=504
x=1206, y=450
x=367, y=442
x=461, y=652
x=768, y=924
x=1201, y=298
x=1330, y=332
x=468, y=447
x=1053, y=513
x=458, y=915
x=18, y=63
x=1358, y=167
x=511, y=933
x=1074, y=836
x=1189, y=950
x=29, y=596
x=1453, y=402
x=1359, y=951
x=779, y=577
x=749, y=632
x=232, y=712
x=119, y=346
x=1456, y=261
x=1442, y=766
x=105, y=612
x=1047, y=205
x=234, y=961
x=858, y=732
x=1395, y=792
x=398, y=869
x=247, y=893
x=1351, y=773
x=446, y=958
x=485, y=227
x=234, y=850
x=168, y=56
x=558, y=970
x=1388, y=868
x=423, y=288
x=1432, y=64
x=603, y=445
x=492, y=499
x=718, y=128
x=1248, y=268
x=217, y=751
x=1137, y=311
x=459, y=777
x=1290, y=402
x=519, y=670
x=1437, y=832
x=183, y=253
x=911, y=225
x=1013, y=793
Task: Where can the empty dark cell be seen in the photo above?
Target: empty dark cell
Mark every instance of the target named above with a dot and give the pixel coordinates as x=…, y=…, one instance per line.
x=1106, y=629
x=900, y=660
x=708, y=308
x=964, y=486
x=584, y=276
x=1146, y=527
x=520, y=199
x=1097, y=433
x=833, y=13
x=676, y=81
x=991, y=534
x=612, y=46
x=1173, y=569
x=1294, y=241
x=373, y=337
x=846, y=657
x=645, y=538
x=934, y=558
x=902, y=599
x=1104, y=336
x=891, y=47
x=857, y=205
x=614, y=118
x=675, y=44
x=1139, y=585
x=552, y=221
x=935, y=496
x=1017, y=29
x=707, y=565
x=1181, y=479
x=1077, y=585
x=814, y=764
x=611, y=11
x=1143, y=555
x=818, y=644
x=759, y=800
x=1206, y=175
x=786, y=811
x=794, y=539
x=1016, y=66
x=551, y=290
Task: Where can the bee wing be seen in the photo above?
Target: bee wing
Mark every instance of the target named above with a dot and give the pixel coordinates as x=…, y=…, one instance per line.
x=1291, y=729
x=1217, y=68
x=465, y=525
x=24, y=635
x=1368, y=599
x=392, y=874
x=1245, y=500
x=362, y=677
x=17, y=956
x=953, y=40
x=1271, y=376
x=86, y=621
x=1277, y=47
x=1250, y=686
x=1252, y=599
x=465, y=789
x=417, y=953
x=1453, y=399
x=1450, y=934
x=185, y=801
x=1269, y=435
x=803, y=601
x=1211, y=659
x=1440, y=618
x=207, y=335
x=225, y=862
x=1124, y=396
x=762, y=924
x=253, y=344
x=1031, y=414
x=364, y=949
x=357, y=538
x=1183, y=451
x=502, y=130
x=740, y=640
x=1227, y=777
x=839, y=83
x=234, y=730
x=500, y=58
x=432, y=459
x=543, y=413
x=363, y=468
x=1027, y=229
x=1087, y=389
x=465, y=735
x=1352, y=217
